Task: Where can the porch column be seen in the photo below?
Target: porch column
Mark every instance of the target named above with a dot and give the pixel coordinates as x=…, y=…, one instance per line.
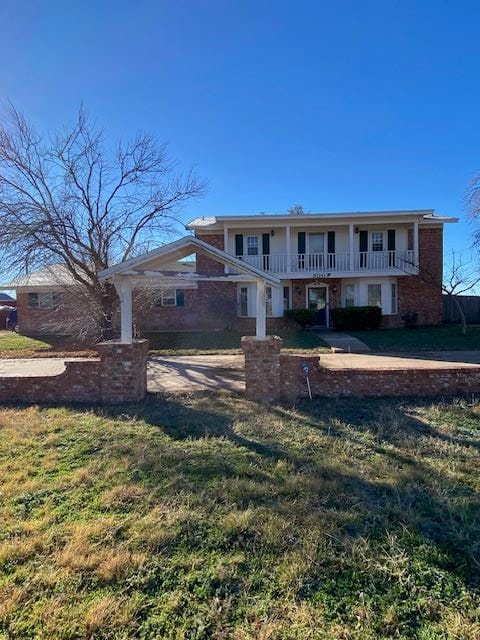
x=225, y=247
x=350, y=247
x=124, y=290
x=415, y=245
x=289, y=248
x=261, y=310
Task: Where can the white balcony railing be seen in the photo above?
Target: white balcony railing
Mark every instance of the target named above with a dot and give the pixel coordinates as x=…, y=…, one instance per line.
x=327, y=263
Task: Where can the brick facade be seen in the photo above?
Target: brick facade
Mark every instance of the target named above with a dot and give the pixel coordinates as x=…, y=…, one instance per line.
x=213, y=305
x=118, y=376
x=423, y=293
x=205, y=264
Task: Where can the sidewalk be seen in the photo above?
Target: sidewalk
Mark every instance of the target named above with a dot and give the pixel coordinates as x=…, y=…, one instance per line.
x=344, y=343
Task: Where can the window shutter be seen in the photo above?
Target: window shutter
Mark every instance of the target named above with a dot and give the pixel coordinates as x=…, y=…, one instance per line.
x=391, y=240
x=239, y=244
x=180, y=296
x=266, y=244
x=363, y=241
x=301, y=242
x=331, y=242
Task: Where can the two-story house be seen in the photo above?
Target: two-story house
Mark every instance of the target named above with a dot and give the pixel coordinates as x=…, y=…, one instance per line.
x=393, y=259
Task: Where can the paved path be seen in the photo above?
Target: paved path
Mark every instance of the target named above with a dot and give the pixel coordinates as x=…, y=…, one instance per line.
x=425, y=360
x=31, y=367
x=195, y=373
x=343, y=343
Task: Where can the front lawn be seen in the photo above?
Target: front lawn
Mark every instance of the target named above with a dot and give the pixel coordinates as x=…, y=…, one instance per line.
x=185, y=343
x=445, y=338
x=13, y=345
x=209, y=517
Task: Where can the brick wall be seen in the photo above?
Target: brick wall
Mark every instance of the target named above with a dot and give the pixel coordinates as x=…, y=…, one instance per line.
x=33, y=322
x=118, y=376
x=262, y=368
x=448, y=381
x=212, y=306
x=423, y=293
x=208, y=265
x=271, y=376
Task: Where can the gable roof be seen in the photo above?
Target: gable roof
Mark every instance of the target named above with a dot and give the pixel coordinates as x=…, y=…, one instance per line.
x=180, y=249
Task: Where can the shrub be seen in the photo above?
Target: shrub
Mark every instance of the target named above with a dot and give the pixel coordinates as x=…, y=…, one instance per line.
x=356, y=318
x=304, y=317
x=410, y=319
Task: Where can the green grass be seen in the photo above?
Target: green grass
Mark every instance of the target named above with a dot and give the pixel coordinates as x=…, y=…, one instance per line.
x=209, y=517
x=13, y=345
x=223, y=342
x=448, y=337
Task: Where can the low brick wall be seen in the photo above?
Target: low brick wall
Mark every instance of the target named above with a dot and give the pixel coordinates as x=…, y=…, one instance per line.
x=271, y=375
x=448, y=381
x=119, y=375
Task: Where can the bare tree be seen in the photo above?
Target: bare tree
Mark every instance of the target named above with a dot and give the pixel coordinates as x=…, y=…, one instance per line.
x=67, y=199
x=297, y=210
x=460, y=277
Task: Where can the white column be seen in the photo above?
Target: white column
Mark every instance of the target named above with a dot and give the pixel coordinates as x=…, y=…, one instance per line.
x=350, y=247
x=261, y=310
x=416, y=257
x=124, y=289
x=225, y=247
x=289, y=248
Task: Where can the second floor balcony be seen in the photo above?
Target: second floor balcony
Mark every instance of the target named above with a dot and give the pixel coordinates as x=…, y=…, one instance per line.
x=329, y=264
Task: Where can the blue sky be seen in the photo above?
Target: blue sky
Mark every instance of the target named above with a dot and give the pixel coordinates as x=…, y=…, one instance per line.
x=337, y=105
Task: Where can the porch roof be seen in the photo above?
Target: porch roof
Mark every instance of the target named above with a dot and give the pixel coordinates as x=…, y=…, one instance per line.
x=146, y=264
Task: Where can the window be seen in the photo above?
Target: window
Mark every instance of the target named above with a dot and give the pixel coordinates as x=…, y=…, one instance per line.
x=394, y=298
x=349, y=295
x=243, y=302
x=44, y=300
x=377, y=240
x=268, y=301
x=169, y=298
x=375, y=295
x=316, y=242
x=252, y=245
x=286, y=298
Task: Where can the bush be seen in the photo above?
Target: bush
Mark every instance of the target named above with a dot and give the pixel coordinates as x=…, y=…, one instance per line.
x=356, y=318
x=410, y=319
x=304, y=317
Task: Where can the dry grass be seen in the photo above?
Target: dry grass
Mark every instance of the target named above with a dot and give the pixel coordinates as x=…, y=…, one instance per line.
x=206, y=516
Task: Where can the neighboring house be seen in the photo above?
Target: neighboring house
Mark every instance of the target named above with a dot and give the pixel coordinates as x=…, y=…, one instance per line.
x=6, y=302
x=393, y=259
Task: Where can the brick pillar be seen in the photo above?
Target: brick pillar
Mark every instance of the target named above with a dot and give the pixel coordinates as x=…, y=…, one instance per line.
x=123, y=375
x=262, y=368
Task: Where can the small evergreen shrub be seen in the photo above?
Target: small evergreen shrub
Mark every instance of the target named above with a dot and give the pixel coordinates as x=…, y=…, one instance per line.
x=304, y=317
x=356, y=318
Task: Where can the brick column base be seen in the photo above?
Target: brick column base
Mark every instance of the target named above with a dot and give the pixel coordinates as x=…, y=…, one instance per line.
x=123, y=371
x=262, y=368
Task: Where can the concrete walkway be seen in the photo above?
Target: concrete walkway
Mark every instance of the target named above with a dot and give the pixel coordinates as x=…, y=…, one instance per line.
x=32, y=367
x=195, y=373
x=343, y=343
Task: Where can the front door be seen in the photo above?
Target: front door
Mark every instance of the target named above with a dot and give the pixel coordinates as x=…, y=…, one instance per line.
x=317, y=301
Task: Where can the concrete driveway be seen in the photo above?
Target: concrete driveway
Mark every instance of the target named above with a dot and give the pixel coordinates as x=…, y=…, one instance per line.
x=195, y=373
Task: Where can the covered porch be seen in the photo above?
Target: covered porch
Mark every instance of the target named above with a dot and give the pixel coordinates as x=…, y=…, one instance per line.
x=154, y=269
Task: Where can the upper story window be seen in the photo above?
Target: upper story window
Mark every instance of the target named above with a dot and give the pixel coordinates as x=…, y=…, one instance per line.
x=44, y=299
x=252, y=245
x=377, y=240
x=316, y=242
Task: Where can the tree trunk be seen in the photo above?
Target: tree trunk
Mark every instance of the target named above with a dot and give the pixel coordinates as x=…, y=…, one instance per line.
x=107, y=307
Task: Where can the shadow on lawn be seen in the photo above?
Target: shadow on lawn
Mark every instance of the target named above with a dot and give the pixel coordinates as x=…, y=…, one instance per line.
x=436, y=512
